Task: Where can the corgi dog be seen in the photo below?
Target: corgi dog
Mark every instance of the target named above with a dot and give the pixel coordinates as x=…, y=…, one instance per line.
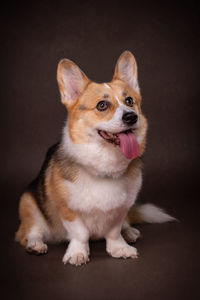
x=89, y=182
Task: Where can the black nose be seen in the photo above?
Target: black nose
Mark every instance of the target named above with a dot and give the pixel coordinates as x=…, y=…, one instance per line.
x=129, y=118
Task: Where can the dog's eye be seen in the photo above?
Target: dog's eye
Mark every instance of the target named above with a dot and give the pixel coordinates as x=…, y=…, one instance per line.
x=129, y=101
x=103, y=105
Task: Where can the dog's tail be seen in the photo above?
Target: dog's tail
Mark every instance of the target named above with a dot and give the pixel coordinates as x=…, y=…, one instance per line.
x=148, y=213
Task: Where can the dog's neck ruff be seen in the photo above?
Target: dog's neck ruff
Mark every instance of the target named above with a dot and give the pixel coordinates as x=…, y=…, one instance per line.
x=99, y=159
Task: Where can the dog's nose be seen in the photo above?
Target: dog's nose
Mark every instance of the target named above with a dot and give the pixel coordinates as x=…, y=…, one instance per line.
x=129, y=118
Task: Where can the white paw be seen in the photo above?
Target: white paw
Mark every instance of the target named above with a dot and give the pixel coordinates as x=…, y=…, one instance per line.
x=124, y=252
x=131, y=234
x=36, y=246
x=119, y=248
x=76, y=254
x=76, y=259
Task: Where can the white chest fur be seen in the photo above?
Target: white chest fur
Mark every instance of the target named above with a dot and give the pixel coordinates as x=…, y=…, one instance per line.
x=90, y=192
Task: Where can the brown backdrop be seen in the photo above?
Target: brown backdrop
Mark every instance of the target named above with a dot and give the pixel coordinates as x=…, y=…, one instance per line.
x=164, y=40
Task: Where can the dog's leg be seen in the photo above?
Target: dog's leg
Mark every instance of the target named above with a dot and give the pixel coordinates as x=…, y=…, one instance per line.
x=35, y=242
x=129, y=233
x=77, y=252
x=33, y=228
x=116, y=246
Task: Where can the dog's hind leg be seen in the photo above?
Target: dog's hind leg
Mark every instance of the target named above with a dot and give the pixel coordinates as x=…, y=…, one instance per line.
x=129, y=233
x=33, y=228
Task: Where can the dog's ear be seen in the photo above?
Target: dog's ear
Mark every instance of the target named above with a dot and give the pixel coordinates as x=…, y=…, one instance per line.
x=126, y=70
x=71, y=80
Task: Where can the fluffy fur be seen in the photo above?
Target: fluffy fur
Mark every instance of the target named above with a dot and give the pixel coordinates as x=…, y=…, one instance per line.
x=87, y=185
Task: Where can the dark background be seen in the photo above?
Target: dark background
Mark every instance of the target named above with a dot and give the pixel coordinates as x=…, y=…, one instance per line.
x=165, y=41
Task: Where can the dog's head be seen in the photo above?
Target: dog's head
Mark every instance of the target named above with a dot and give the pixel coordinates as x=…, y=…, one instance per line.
x=105, y=121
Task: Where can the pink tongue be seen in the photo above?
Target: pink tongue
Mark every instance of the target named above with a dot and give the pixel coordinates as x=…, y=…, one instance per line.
x=129, y=145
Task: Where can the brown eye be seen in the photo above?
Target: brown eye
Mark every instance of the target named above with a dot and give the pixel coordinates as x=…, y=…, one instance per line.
x=103, y=105
x=129, y=101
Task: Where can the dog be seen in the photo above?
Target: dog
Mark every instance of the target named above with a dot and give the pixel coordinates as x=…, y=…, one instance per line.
x=89, y=182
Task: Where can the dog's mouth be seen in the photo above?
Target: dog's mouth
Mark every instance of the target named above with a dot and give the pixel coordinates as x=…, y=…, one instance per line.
x=125, y=139
x=109, y=137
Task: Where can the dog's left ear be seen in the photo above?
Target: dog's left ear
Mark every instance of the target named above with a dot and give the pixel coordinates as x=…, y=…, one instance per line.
x=126, y=70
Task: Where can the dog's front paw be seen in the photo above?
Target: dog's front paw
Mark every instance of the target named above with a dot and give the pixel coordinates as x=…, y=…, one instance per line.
x=124, y=252
x=76, y=254
x=120, y=249
x=76, y=259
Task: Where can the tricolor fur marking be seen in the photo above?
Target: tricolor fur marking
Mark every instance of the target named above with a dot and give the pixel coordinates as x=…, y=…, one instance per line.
x=89, y=181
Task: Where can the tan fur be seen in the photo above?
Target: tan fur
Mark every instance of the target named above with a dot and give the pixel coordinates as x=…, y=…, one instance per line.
x=143, y=130
x=58, y=193
x=134, y=168
x=134, y=217
x=27, y=206
x=55, y=205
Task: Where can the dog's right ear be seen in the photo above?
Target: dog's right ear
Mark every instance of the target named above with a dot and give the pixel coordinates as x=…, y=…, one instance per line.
x=71, y=81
